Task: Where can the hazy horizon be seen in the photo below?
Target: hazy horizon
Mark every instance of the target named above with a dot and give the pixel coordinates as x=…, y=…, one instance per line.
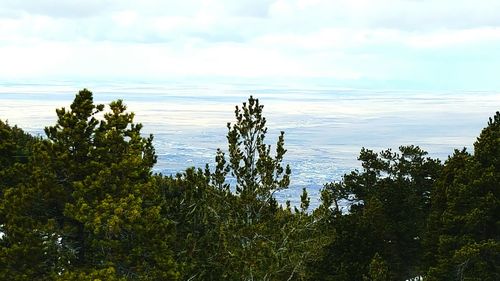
x=324, y=128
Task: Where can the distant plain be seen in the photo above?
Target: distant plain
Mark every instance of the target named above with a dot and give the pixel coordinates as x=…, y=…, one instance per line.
x=325, y=127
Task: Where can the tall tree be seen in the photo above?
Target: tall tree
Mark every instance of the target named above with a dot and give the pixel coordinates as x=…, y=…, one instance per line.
x=260, y=240
x=463, y=241
x=15, y=148
x=257, y=173
x=100, y=212
x=199, y=212
x=26, y=241
x=388, y=206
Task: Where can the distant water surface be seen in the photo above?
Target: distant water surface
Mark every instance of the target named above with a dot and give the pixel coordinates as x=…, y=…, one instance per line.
x=325, y=128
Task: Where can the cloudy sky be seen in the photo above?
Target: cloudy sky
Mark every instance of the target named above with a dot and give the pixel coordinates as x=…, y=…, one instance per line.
x=445, y=44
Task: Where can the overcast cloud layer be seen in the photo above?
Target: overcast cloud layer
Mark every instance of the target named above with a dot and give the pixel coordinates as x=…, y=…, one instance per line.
x=390, y=43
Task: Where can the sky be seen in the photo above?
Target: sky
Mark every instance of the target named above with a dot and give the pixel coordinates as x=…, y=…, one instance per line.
x=410, y=44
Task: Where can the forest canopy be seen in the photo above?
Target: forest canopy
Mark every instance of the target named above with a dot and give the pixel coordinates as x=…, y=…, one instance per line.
x=83, y=203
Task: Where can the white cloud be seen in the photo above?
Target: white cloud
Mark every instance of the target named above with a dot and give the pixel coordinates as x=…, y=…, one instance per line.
x=124, y=18
x=60, y=9
x=453, y=38
x=337, y=39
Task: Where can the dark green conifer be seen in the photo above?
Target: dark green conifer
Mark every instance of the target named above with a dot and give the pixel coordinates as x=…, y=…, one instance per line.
x=88, y=206
x=463, y=239
x=389, y=201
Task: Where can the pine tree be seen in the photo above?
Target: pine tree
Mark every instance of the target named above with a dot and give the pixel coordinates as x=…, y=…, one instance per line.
x=388, y=206
x=259, y=239
x=15, y=148
x=199, y=212
x=257, y=173
x=89, y=202
x=464, y=227
x=27, y=243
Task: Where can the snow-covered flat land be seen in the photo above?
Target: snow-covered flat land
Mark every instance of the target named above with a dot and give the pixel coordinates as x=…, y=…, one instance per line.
x=324, y=127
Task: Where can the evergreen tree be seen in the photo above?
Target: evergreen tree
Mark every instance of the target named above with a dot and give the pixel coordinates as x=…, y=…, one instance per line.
x=388, y=206
x=83, y=204
x=199, y=212
x=257, y=173
x=259, y=239
x=378, y=269
x=463, y=241
x=15, y=148
x=26, y=241
x=89, y=202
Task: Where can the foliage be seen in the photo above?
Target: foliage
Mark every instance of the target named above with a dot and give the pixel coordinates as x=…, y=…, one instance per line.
x=257, y=173
x=463, y=237
x=88, y=202
x=83, y=204
x=15, y=148
x=389, y=202
x=105, y=274
x=378, y=269
x=265, y=241
x=198, y=211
